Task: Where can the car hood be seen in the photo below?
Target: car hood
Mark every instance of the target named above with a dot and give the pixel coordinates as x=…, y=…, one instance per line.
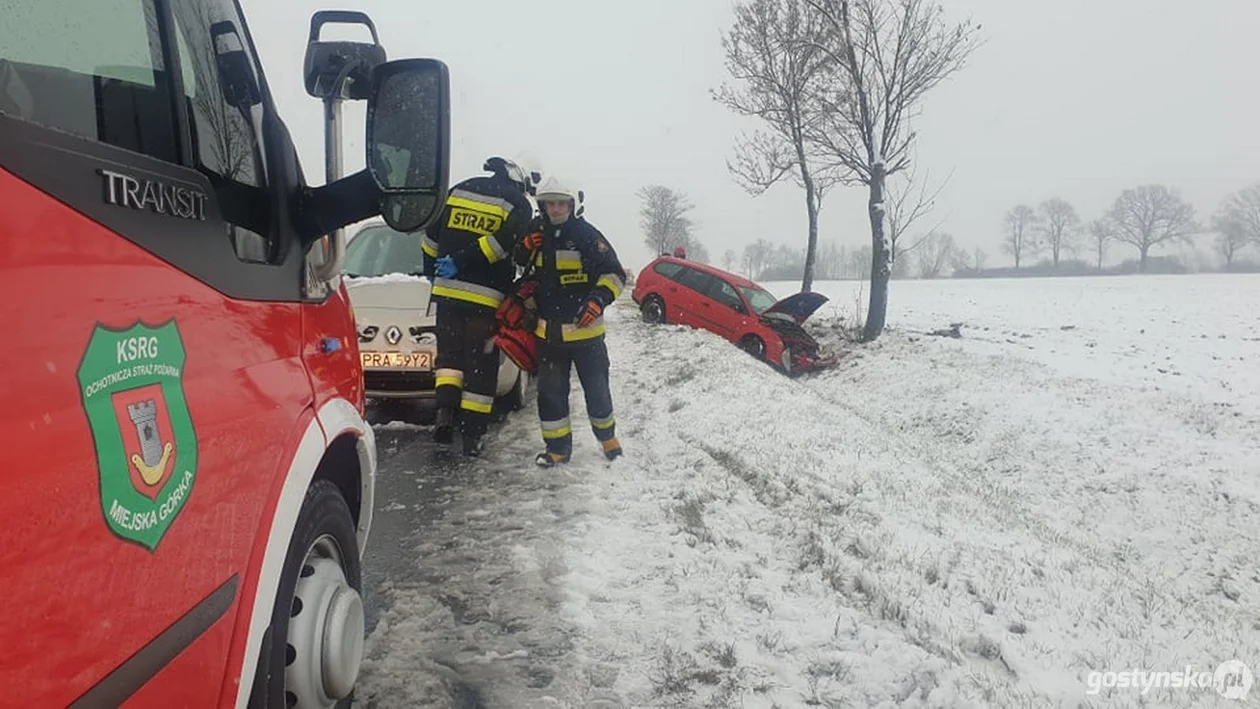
x=398, y=301
x=798, y=306
x=393, y=292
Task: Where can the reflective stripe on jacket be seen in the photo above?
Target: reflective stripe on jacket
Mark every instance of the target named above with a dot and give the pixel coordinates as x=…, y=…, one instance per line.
x=575, y=264
x=481, y=222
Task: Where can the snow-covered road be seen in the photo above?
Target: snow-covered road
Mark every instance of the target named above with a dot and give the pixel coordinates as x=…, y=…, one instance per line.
x=932, y=524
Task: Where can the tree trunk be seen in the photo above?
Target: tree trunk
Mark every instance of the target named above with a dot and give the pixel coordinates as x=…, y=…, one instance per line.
x=881, y=266
x=1142, y=259
x=811, y=247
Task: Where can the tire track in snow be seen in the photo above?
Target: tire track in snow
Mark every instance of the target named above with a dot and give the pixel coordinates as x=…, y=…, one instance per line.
x=1009, y=600
x=482, y=626
x=1119, y=548
x=778, y=553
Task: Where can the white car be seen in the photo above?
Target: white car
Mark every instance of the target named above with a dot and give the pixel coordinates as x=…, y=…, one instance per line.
x=396, y=322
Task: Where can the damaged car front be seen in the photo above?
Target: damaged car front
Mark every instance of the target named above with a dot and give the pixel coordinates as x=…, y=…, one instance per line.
x=799, y=352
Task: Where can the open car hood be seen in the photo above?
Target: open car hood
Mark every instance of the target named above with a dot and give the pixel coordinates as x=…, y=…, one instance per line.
x=798, y=306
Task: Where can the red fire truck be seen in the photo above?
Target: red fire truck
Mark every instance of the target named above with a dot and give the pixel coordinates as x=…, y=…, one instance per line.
x=187, y=473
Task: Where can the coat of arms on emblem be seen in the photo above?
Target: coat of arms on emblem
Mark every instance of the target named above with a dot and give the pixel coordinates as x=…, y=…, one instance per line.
x=146, y=431
x=146, y=448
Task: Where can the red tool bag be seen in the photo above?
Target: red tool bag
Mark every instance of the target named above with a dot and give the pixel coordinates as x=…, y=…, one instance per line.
x=517, y=320
x=520, y=346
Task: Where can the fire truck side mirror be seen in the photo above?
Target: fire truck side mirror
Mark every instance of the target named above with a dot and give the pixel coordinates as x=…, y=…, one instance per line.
x=408, y=140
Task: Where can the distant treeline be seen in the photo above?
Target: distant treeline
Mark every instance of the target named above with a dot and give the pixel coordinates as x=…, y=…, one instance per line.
x=1162, y=265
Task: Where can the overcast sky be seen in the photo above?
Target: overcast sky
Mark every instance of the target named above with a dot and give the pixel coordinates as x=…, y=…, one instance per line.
x=1072, y=98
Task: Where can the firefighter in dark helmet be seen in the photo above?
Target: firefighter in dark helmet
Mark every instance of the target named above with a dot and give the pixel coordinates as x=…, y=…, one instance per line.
x=576, y=276
x=467, y=257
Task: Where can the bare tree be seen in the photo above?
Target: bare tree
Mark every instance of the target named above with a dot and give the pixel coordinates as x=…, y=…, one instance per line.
x=779, y=78
x=663, y=218
x=937, y=252
x=1238, y=219
x=1102, y=231
x=1059, y=223
x=960, y=260
x=1230, y=239
x=730, y=260
x=901, y=261
x=1149, y=216
x=1020, y=239
x=860, y=261
x=979, y=258
x=907, y=204
x=757, y=256
x=830, y=264
x=889, y=54
x=696, y=250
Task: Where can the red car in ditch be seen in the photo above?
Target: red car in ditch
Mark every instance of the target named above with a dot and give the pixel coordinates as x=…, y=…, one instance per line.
x=678, y=291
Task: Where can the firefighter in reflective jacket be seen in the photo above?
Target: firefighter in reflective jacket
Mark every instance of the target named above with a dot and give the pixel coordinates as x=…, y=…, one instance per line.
x=468, y=248
x=576, y=276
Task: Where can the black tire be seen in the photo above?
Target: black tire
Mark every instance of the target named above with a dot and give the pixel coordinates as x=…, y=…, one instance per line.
x=653, y=310
x=324, y=515
x=754, y=346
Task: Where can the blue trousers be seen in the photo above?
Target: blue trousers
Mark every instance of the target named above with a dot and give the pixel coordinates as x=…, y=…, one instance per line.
x=555, y=365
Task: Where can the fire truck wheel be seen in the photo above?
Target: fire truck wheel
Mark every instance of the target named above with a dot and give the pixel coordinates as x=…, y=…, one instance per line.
x=318, y=622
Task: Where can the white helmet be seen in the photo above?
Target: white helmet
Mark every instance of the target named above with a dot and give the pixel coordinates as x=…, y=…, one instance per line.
x=553, y=190
x=508, y=169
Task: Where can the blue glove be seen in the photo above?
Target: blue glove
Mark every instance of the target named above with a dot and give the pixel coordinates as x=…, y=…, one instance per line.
x=445, y=267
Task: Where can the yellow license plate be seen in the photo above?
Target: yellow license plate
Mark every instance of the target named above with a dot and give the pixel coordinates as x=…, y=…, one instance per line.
x=397, y=360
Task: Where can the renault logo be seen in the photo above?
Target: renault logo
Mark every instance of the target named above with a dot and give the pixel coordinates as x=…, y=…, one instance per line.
x=393, y=335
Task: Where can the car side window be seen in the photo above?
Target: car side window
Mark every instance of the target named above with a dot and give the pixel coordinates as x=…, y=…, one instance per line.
x=226, y=120
x=724, y=293
x=669, y=270
x=695, y=280
x=94, y=70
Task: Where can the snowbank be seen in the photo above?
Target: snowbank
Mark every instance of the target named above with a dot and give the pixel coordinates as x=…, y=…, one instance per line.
x=936, y=523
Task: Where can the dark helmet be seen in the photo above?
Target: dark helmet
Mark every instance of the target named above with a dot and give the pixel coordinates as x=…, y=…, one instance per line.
x=509, y=170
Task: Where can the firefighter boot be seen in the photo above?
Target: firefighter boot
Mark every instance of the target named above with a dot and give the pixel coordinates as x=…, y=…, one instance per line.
x=612, y=449
x=548, y=459
x=444, y=428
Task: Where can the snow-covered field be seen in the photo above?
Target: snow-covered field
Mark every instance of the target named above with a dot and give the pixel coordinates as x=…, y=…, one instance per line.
x=937, y=522
x=1197, y=334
